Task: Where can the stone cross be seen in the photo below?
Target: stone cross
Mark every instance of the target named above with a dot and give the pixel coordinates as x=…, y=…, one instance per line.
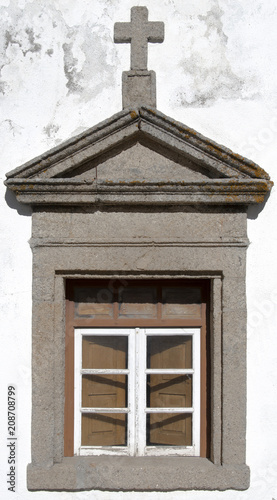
x=139, y=32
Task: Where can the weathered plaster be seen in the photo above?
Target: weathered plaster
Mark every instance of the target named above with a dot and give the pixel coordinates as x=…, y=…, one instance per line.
x=86, y=65
x=206, y=66
x=208, y=73
x=39, y=47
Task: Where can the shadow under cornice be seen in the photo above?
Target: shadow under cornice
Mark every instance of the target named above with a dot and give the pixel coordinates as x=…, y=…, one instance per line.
x=253, y=211
x=12, y=202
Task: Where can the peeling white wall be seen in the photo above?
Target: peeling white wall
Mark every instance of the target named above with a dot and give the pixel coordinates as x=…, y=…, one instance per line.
x=60, y=73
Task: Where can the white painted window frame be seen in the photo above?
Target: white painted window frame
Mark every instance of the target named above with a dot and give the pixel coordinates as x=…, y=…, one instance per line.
x=136, y=411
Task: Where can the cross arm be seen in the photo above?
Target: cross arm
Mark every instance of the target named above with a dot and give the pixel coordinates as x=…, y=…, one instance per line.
x=122, y=33
x=156, y=32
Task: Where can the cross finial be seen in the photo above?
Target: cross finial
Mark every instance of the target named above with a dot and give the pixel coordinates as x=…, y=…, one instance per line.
x=139, y=32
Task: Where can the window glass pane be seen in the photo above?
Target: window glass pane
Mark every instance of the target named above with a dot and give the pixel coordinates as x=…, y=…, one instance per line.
x=138, y=302
x=169, y=429
x=104, y=429
x=104, y=391
x=169, y=351
x=104, y=351
x=169, y=391
x=93, y=302
x=181, y=302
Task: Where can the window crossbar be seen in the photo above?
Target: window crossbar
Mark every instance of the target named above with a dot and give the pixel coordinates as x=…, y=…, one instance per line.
x=147, y=410
x=169, y=410
x=168, y=371
x=104, y=371
x=105, y=410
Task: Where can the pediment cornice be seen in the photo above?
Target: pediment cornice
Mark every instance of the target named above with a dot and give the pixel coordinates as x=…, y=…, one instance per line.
x=50, y=178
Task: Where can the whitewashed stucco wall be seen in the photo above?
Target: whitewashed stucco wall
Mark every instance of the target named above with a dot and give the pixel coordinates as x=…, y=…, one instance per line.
x=216, y=72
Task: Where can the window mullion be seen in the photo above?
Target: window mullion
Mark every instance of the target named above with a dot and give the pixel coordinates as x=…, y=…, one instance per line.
x=196, y=392
x=77, y=390
x=132, y=393
x=140, y=391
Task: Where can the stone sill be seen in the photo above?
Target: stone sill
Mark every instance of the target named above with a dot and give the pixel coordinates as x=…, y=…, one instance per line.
x=137, y=474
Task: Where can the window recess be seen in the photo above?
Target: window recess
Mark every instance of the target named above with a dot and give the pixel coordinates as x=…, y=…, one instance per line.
x=137, y=391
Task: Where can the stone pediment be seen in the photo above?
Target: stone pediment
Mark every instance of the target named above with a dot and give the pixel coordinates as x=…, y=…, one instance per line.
x=139, y=157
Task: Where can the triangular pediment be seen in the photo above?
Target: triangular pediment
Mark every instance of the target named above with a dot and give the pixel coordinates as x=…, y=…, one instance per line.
x=134, y=153
x=139, y=160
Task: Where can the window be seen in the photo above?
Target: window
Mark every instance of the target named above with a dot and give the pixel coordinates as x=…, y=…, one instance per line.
x=177, y=234
x=136, y=368
x=118, y=302
x=137, y=391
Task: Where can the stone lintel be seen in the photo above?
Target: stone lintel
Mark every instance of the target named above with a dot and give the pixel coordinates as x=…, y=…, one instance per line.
x=138, y=89
x=72, y=192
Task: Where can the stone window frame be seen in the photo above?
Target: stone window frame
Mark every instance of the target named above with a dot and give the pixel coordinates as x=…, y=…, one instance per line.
x=136, y=473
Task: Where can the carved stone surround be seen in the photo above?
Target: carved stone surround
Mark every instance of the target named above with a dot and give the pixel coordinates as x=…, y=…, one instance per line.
x=140, y=196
